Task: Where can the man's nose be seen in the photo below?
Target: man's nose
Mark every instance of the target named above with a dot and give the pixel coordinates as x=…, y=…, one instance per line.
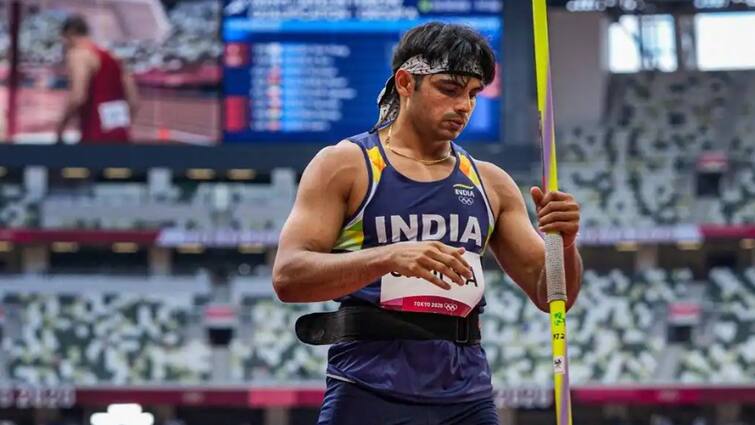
x=464, y=106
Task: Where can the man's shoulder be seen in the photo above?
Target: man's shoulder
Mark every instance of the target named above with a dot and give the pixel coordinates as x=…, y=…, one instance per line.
x=499, y=185
x=341, y=160
x=494, y=175
x=336, y=167
x=345, y=150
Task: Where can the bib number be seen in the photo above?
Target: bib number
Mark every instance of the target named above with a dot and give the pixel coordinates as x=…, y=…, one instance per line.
x=114, y=114
x=418, y=295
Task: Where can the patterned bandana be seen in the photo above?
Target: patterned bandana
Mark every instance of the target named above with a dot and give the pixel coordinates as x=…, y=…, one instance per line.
x=388, y=99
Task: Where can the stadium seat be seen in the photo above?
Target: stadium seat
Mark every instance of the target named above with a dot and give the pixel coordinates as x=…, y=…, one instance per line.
x=116, y=338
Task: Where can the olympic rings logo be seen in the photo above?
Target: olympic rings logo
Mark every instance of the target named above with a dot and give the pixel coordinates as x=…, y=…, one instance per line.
x=451, y=307
x=466, y=200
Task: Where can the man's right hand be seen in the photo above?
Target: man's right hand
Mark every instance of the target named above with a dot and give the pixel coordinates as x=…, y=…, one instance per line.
x=420, y=259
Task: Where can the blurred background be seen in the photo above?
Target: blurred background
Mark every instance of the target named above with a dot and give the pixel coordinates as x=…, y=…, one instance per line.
x=135, y=280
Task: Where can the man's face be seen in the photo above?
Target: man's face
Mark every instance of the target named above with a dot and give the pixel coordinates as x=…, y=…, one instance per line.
x=443, y=103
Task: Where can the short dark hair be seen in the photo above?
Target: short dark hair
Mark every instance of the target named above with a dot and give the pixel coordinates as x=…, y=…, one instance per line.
x=75, y=25
x=436, y=40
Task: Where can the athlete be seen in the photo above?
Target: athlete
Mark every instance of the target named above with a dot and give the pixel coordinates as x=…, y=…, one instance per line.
x=392, y=223
x=102, y=93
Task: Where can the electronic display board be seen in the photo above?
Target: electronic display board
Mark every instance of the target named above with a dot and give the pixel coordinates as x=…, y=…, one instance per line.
x=310, y=71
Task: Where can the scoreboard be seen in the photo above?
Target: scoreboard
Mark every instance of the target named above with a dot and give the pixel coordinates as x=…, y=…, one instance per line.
x=309, y=71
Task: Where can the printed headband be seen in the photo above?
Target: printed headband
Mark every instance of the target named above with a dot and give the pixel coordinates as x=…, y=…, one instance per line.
x=388, y=99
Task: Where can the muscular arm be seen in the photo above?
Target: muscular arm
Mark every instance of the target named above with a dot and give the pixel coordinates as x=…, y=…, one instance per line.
x=78, y=64
x=304, y=269
x=516, y=245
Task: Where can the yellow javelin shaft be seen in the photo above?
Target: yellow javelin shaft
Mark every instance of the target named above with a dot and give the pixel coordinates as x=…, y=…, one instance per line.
x=554, y=243
x=544, y=94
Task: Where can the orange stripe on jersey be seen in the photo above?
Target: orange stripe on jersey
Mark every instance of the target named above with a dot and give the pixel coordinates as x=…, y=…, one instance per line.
x=466, y=167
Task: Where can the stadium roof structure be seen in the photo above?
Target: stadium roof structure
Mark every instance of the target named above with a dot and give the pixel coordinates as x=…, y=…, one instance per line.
x=114, y=20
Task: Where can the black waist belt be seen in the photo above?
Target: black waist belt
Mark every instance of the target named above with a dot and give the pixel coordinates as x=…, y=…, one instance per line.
x=368, y=322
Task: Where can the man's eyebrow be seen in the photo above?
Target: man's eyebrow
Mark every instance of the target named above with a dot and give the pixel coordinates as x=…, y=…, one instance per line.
x=448, y=80
x=457, y=83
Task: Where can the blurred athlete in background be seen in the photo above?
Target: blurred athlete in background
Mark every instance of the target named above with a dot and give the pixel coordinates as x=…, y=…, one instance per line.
x=102, y=94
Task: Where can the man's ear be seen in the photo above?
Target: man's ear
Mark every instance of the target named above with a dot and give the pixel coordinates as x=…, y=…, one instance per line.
x=404, y=81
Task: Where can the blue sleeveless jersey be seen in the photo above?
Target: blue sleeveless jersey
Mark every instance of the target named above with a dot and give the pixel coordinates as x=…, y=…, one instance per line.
x=394, y=210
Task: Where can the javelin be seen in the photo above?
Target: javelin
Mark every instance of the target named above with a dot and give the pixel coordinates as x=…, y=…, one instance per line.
x=554, y=247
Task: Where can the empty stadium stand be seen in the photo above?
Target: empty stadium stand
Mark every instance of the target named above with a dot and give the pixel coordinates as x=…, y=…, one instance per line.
x=113, y=205
x=127, y=334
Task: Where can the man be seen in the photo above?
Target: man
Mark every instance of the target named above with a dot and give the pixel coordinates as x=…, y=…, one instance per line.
x=392, y=223
x=102, y=93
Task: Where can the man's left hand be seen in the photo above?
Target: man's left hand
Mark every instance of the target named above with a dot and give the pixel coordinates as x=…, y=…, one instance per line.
x=557, y=212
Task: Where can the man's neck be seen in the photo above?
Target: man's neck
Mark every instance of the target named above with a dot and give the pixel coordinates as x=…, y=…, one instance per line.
x=81, y=42
x=404, y=135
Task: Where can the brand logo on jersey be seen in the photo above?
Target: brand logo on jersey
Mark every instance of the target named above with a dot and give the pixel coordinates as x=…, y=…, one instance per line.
x=465, y=194
x=429, y=227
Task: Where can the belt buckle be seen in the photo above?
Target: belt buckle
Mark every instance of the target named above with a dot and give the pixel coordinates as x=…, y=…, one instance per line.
x=462, y=331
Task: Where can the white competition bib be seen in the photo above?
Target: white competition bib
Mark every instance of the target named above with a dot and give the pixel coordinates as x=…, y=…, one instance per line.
x=114, y=114
x=418, y=295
